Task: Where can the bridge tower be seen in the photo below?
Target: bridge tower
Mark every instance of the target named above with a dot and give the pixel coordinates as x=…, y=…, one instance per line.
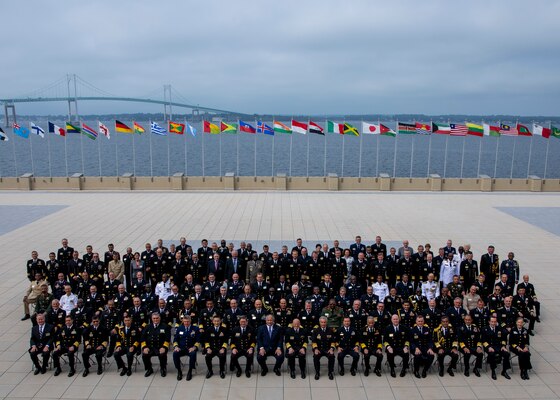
x=72, y=97
x=167, y=110
x=9, y=108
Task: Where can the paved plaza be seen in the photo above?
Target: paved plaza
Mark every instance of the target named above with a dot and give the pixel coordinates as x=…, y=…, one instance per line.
x=526, y=223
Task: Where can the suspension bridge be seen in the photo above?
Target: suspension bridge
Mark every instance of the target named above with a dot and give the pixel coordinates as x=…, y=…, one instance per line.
x=73, y=89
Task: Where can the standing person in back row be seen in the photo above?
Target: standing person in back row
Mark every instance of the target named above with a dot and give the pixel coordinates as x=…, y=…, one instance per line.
x=490, y=266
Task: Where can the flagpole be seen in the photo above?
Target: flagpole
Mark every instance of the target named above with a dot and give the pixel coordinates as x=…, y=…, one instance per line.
x=529, y=160
x=255, y=154
x=377, y=149
x=49, y=154
x=395, y=150
x=151, y=155
x=360, y=156
x=463, y=155
x=202, y=158
x=99, y=152
x=116, y=154
x=496, y=158
x=512, y=159
x=430, y=152
x=325, y=155
x=14, y=148
x=237, y=149
x=291, y=142
x=220, y=150
x=546, y=154
x=82, y=147
x=342, y=158
x=479, y=156
x=412, y=154
x=168, y=156
x=307, y=149
x=31, y=153
x=185, y=140
x=445, y=157
x=66, y=154
x=272, y=164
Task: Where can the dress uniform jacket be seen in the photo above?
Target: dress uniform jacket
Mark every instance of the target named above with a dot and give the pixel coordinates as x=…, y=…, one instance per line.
x=128, y=339
x=156, y=338
x=245, y=341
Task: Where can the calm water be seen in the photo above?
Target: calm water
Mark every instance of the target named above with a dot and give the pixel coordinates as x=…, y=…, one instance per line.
x=259, y=154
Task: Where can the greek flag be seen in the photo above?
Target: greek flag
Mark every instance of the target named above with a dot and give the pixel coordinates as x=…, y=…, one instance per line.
x=158, y=130
x=37, y=130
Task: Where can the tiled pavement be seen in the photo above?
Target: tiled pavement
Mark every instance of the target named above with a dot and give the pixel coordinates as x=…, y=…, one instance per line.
x=523, y=223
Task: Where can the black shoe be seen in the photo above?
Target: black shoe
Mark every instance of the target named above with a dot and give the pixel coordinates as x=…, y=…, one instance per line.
x=417, y=374
x=110, y=354
x=71, y=373
x=366, y=372
x=505, y=375
x=467, y=372
x=231, y=368
x=292, y=374
x=277, y=371
x=37, y=371
x=189, y=375
x=248, y=373
x=179, y=375
x=57, y=371
x=494, y=377
x=353, y=371
x=341, y=372
x=264, y=372
x=441, y=372
x=209, y=374
x=44, y=370
x=163, y=372
x=377, y=372
x=393, y=374
x=331, y=376
x=317, y=376
x=538, y=320
x=149, y=372
x=123, y=372
x=223, y=374
x=86, y=372
x=476, y=372
x=450, y=371
x=526, y=375
x=303, y=374
x=522, y=374
x=99, y=371
x=238, y=372
x=424, y=373
x=26, y=317
x=403, y=373
x=531, y=333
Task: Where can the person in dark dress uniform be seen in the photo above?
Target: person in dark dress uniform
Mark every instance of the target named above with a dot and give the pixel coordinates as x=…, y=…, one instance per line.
x=155, y=342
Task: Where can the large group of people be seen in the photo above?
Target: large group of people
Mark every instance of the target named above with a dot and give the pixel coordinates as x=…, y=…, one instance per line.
x=361, y=301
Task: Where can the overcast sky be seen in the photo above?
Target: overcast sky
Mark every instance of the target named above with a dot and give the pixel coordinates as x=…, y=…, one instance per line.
x=284, y=57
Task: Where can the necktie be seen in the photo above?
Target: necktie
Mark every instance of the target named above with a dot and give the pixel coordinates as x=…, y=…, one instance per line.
x=396, y=329
x=270, y=331
x=126, y=331
x=242, y=331
x=41, y=332
x=443, y=330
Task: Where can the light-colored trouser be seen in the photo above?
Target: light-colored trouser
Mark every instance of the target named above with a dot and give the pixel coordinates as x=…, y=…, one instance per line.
x=26, y=302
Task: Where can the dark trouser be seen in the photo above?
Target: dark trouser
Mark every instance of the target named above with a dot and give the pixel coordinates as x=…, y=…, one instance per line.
x=64, y=350
x=537, y=308
x=147, y=359
x=422, y=360
x=292, y=359
x=454, y=358
x=467, y=359
x=181, y=353
x=317, y=359
x=35, y=357
x=129, y=357
x=98, y=357
x=348, y=352
x=221, y=357
x=262, y=359
x=234, y=362
x=532, y=321
x=398, y=352
x=112, y=343
x=378, y=356
x=524, y=359
x=493, y=359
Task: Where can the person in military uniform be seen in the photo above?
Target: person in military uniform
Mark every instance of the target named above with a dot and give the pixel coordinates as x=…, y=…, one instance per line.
x=519, y=345
x=323, y=345
x=67, y=342
x=524, y=304
x=432, y=315
x=186, y=343
x=155, y=342
x=110, y=319
x=407, y=315
x=55, y=315
x=138, y=314
x=480, y=315
x=35, y=265
x=531, y=293
x=206, y=316
x=197, y=269
x=369, y=300
x=54, y=271
x=396, y=341
x=421, y=347
x=393, y=303
x=361, y=269
x=64, y=254
x=371, y=343
x=215, y=345
x=456, y=313
x=283, y=315
x=507, y=315
x=295, y=300
x=490, y=265
x=348, y=344
x=405, y=288
x=96, y=339
x=495, y=300
x=456, y=288
x=270, y=343
x=42, y=336
x=296, y=345
x=468, y=270
x=446, y=343
x=31, y=294
x=243, y=342
x=81, y=315
x=127, y=343
x=494, y=340
x=510, y=268
x=231, y=315
x=417, y=301
x=334, y=315
x=257, y=316
x=357, y=316
x=43, y=302
x=382, y=317
x=470, y=345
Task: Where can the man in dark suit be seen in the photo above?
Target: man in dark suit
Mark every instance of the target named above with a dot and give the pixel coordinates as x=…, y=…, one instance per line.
x=489, y=266
x=215, y=267
x=269, y=343
x=379, y=247
x=234, y=266
x=42, y=336
x=357, y=247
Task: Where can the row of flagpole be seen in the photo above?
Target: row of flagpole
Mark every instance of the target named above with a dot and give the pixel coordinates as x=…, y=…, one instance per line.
x=290, y=156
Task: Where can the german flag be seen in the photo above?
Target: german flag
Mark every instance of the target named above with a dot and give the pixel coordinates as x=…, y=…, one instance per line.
x=176, y=127
x=120, y=127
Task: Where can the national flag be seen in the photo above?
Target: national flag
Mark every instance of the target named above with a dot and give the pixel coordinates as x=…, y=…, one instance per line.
x=508, y=130
x=522, y=130
x=20, y=131
x=333, y=127
x=104, y=130
x=491, y=130
x=475, y=129
x=314, y=128
x=37, y=130
x=555, y=132
x=441, y=129
x=57, y=130
x=264, y=128
x=176, y=127
x=228, y=128
x=191, y=129
x=423, y=129
x=539, y=130
x=3, y=136
x=157, y=130
x=89, y=132
x=139, y=129
x=370, y=129
x=406, y=129
x=120, y=127
x=458, y=130
x=385, y=130
x=71, y=128
x=299, y=127
x=247, y=128
x=209, y=127
x=281, y=128
x=350, y=130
